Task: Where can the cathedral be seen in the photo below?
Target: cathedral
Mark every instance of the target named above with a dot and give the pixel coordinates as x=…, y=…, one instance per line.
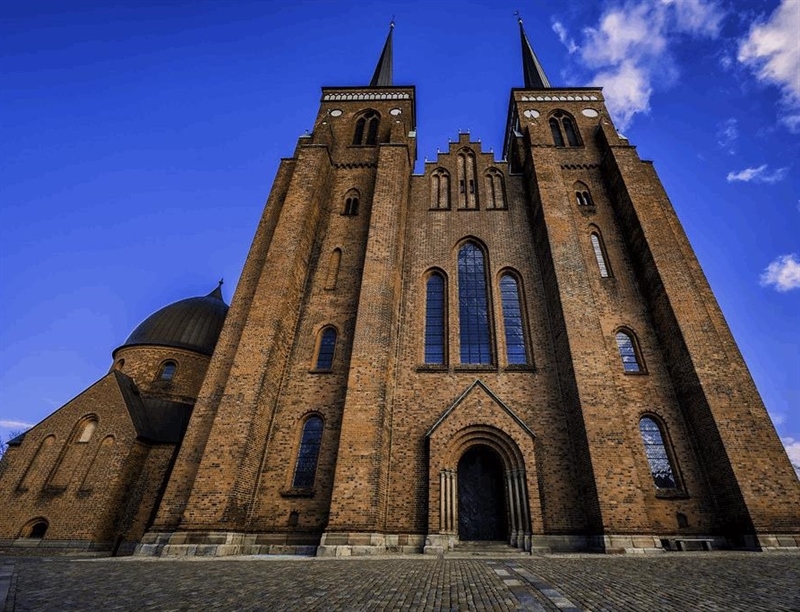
x=522, y=350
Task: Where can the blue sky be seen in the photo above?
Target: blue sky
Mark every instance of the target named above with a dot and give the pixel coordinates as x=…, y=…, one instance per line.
x=139, y=140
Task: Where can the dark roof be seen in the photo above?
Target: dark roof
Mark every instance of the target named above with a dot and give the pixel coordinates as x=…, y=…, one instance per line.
x=383, y=71
x=535, y=78
x=155, y=419
x=193, y=324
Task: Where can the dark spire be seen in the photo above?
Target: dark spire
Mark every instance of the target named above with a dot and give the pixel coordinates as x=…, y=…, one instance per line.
x=535, y=78
x=383, y=71
x=217, y=293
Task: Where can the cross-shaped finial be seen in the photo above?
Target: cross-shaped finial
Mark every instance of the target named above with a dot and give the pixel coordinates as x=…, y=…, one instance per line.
x=222, y=280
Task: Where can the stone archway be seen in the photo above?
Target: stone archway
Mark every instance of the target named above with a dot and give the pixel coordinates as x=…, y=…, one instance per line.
x=482, y=511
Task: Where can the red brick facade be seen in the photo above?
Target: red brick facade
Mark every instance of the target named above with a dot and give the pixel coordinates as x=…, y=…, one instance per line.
x=348, y=240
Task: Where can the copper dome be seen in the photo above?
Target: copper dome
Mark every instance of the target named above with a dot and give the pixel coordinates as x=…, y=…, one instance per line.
x=193, y=324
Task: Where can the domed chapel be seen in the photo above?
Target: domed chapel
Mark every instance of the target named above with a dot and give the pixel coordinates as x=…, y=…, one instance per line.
x=522, y=350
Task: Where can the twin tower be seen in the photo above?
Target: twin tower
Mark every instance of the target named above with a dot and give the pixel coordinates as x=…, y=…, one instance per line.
x=522, y=350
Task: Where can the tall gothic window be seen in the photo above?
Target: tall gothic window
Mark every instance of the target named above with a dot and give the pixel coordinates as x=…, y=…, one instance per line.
x=467, y=196
x=327, y=347
x=600, y=255
x=306, y=467
x=440, y=188
x=512, y=320
x=366, y=132
x=560, y=124
x=628, y=352
x=495, y=189
x=657, y=456
x=434, y=320
x=473, y=306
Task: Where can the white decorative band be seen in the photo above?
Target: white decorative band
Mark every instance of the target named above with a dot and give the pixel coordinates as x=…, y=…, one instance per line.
x=363, y=95
x=562, y=98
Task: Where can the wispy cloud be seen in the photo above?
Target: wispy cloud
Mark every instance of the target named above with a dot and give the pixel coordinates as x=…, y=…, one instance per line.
x=783, y=273
x=564, y=37
x=629, y=48
x=792, y=447
x=772, y=52
x=728, y=134
x=15, y=424
x=758, y=175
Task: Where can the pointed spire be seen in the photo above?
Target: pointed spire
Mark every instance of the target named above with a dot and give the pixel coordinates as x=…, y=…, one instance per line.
x=535, y=78
x=383, y=71
x=217, y=293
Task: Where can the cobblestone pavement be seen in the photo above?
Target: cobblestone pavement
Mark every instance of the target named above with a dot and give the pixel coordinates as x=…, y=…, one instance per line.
x=678, y=581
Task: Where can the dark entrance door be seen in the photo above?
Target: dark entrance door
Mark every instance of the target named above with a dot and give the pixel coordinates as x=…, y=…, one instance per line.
x=481, y=496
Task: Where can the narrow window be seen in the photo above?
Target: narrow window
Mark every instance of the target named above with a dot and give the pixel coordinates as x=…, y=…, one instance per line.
x=306, y=467
x=372, y=132
x=434, y=320
x=473, y=306
x=587, y=198
x=599, y=255
x=656, y=452
x=471, y=186
x=358, y=136
x=167, y=370
x=512, y=320
x=333, y=269
x=461, y=186
x=579, y=198
x=569, y=129
x=88, y=430
x=351, y=206
x=368, y=122
x=558, y=139
x=628, y=354
x=436, y=190
x=327, y=346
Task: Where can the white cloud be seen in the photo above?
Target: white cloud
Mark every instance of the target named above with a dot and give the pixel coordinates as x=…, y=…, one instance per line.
x=778, y=418
x=15, y=424
x=727, y=134
x=784, y=273
x=792, y=447
x=629, y=48
x=758, y=175
x=772, y=51
x=564, y=37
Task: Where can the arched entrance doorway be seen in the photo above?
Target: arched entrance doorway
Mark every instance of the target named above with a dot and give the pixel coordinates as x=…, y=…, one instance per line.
x=481, y=495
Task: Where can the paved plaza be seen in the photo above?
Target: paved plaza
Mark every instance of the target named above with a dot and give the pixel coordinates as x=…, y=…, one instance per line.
x=672, y=581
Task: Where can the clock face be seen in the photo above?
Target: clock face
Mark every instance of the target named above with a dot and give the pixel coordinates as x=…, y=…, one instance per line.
x=336, y=113
x=590, y=112
x=395, y=112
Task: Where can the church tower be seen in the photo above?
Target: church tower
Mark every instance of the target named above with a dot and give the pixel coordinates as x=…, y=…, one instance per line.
x=522, y=349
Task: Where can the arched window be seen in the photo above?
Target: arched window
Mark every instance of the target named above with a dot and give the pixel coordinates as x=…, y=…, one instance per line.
x=39, y=465
x=72, y=453
x=657, y=455
x=467, y=193
x=100, y=464
x=562, y=121
x=35, y=528
x=167, y=371
x=512, y=320
x=88, y=430
x=351, y=203
x=366, y=132
x=440, y=188
x=495, y=189
x=582, y=195
x=473, y=306
x=333, y=269
x=306, y=467
x=434, y=319
x=327, y=347
x=555, y=128
x=628, y=352
x=600, y=255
